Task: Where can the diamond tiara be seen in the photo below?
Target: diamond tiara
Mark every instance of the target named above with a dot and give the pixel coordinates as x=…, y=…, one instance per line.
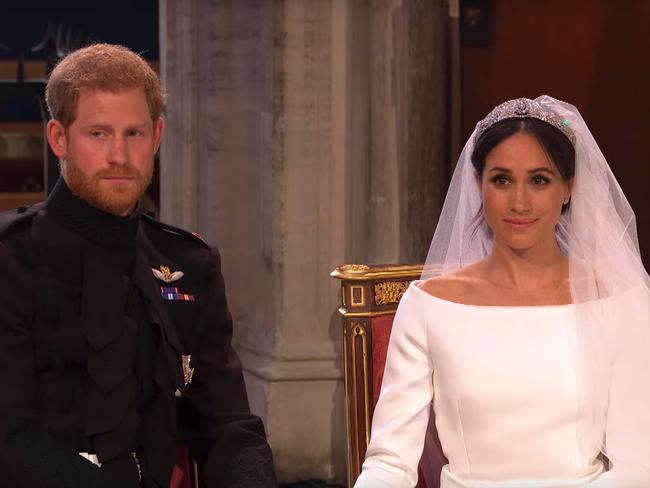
x=521, y=108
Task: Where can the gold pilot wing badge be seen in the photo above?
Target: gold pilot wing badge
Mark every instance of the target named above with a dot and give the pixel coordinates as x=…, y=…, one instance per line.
x=165, y=274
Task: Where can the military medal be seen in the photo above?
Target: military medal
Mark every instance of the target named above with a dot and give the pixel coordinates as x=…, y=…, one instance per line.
x=188, y=372
x=172, y=294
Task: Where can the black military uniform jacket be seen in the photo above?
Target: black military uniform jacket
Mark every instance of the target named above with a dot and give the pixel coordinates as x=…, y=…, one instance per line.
x=97, y=313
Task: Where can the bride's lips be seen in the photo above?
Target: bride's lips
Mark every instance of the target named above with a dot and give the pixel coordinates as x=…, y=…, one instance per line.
x=520, y=224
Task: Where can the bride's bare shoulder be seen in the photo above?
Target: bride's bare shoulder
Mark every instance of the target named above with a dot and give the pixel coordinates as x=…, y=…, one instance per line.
x=454, y=287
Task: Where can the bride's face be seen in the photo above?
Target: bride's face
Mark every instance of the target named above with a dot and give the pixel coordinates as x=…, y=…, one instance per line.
x=522, y=193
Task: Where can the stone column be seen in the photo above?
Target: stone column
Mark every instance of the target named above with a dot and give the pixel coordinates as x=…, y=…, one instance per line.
x=256, y=142
x=178, y=46
x=385, y=51
x=425, y=146
x=289, y=129
x=409, y=69
x=299, y=381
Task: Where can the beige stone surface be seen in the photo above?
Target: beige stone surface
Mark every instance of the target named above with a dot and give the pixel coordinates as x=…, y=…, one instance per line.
x=293, y=130
x=251, y=149
x=303, y=456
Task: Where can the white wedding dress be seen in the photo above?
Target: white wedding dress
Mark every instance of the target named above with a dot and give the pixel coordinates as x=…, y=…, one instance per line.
x=503, y=384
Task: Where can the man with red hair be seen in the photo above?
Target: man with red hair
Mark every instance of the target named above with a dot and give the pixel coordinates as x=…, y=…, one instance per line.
x=115, y=335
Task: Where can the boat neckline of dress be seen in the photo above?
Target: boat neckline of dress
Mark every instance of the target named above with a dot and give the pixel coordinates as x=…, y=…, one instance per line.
x=560, y=306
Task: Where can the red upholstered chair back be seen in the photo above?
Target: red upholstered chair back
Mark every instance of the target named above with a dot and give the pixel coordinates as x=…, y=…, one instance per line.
x=370, y=296
x=184, y=474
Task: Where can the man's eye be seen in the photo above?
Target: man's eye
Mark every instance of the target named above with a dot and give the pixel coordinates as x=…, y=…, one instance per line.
x=97, y=133
x=134, y=133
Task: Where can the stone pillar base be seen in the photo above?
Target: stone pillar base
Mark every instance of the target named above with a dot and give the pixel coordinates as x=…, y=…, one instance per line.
x=301, y=403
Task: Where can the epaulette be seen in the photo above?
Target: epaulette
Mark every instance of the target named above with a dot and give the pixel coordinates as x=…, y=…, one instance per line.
x=19, y=215
x=175, y=230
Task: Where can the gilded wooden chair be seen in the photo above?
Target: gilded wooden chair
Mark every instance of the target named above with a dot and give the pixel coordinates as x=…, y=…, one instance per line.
x=370, y=296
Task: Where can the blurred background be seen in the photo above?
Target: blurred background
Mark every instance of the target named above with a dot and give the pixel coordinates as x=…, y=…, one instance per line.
x=304, y=134
x=33, y=36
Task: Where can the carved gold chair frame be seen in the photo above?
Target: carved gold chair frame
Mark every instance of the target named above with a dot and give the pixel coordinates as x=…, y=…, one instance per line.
x=367, y=292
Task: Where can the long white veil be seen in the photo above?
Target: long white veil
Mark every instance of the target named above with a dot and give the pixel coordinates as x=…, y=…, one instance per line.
x=610, y=289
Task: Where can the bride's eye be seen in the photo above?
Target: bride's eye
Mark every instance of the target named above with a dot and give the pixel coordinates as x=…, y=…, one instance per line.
x=540, y=180
x=500, y=180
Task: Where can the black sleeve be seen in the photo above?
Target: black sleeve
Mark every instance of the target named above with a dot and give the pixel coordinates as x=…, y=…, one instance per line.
x=16, y=353
x=29, y=457
x=228, y=442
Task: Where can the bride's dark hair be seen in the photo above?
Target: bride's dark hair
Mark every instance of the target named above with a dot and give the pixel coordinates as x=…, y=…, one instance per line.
x=555, y=143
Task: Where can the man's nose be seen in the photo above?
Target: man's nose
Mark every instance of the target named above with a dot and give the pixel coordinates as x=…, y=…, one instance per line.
x=118, y=153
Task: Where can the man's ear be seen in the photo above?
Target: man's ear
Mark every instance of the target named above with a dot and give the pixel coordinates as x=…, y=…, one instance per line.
x=158, y=130
x=57, y=138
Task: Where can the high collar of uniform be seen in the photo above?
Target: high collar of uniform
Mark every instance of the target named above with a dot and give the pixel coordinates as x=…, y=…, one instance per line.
x=90, y=222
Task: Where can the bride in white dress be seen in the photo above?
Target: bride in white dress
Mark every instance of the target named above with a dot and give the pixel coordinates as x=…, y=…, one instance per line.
x=530, y=328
